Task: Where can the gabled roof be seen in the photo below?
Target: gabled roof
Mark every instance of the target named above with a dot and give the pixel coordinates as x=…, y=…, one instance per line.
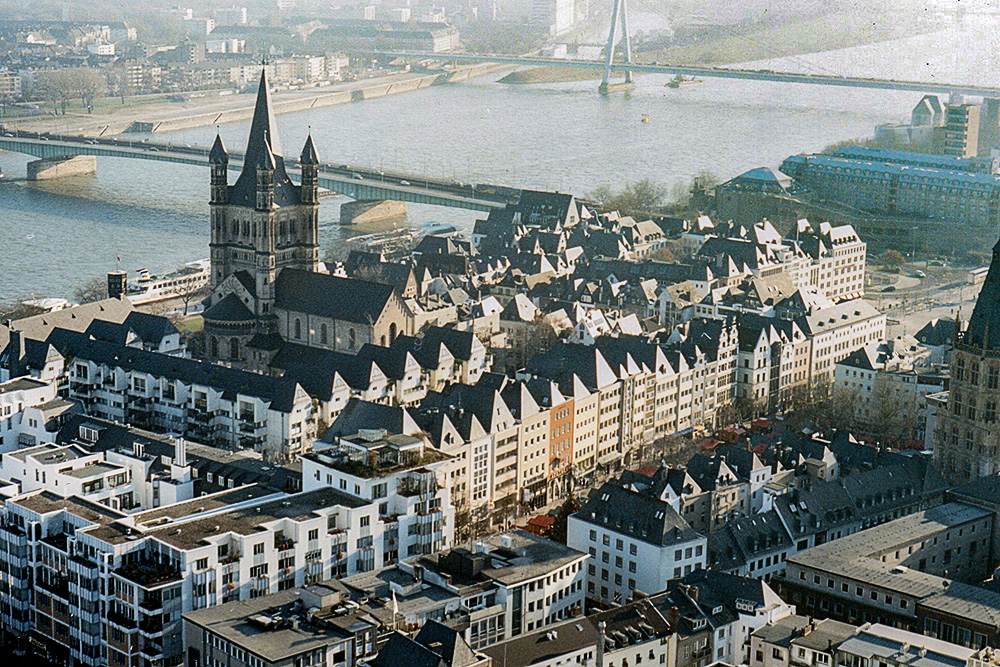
x=321, y=294
x=229, y=309
x=280, y=392
x=641, y=516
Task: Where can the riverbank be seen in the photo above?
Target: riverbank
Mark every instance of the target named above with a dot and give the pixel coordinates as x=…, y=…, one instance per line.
x=174, y=116
x=824, y=33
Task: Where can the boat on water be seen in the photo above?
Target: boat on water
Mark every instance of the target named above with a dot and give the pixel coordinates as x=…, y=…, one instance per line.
x=680, y=80
x=148, y=288
x=645, y=118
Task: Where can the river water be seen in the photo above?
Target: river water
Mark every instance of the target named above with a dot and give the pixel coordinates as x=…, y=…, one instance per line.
x=565, y=136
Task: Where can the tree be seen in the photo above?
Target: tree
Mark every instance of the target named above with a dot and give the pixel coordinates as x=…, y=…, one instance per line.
x=892, y=260
x=119, y=83
x=19, y=311
x=89, y=84
x=635, y=199
x=93, y=289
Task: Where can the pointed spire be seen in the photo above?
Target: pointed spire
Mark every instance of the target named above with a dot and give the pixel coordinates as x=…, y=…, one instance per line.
x=265, y=158
x=263, y=128
x=309, y=152
x=218, y=154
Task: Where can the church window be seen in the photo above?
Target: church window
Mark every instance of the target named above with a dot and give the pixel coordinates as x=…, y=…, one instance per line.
x=352, y=339
x=215, y=346
x=234, y=348
x=960, y=369
x=298, y=328
x=236, y=227
x=974, y=373
x=991, y=412
x=392, y=332
x=993, y=377
x=322, y=334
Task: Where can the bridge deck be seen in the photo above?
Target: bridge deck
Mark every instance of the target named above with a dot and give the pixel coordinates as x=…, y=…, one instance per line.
x=702, y=71
x=356, y=183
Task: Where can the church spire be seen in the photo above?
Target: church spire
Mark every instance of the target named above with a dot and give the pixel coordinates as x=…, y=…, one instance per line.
x=264, y=148
x=984, y=325
x=263, y=129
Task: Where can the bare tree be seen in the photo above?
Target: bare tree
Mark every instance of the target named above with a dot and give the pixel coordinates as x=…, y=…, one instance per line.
x=190, y=295
x=89, y=84
x=18, y=311
x=93, y=289
x=119, y=83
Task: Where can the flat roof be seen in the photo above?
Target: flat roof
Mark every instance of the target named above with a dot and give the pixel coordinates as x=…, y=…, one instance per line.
x=858, y=556
x=247, y=520
x=231, y=621
x=21, y=384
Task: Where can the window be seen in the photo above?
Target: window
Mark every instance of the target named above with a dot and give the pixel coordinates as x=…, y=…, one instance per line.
x=234, y=348
x=322, y=334
x=352, y=339
x=258, y=548
x=298, y=328
x=366, y=521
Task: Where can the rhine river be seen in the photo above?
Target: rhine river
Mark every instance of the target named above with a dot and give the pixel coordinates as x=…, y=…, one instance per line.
x=56, y=235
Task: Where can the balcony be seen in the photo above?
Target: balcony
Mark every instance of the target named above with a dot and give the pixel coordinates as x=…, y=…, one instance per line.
x=149, y=575
x=121, y=620
x=282, y=543
x=152, y=626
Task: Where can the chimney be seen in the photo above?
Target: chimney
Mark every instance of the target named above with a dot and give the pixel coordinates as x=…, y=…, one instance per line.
x=16, y=345
x=693, y=593
x=601, y=627
x=673, y=618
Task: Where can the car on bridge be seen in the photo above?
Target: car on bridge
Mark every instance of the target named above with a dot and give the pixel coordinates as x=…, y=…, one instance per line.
x=357, y=177
x=404, y=182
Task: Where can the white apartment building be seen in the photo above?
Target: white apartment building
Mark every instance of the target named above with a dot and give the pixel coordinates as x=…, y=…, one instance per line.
x=19, y=423
x=206, y=402
x=404, y=476
x=102, y=587
x=636, y=542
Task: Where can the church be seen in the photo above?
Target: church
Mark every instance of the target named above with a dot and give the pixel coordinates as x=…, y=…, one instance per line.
x=267, y=283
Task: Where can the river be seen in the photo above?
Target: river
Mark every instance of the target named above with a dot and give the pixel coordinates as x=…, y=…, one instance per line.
x=565, y=136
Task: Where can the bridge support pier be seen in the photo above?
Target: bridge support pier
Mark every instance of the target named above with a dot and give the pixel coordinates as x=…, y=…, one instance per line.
x=365, y=211
x=61, y=167
x=618, y=15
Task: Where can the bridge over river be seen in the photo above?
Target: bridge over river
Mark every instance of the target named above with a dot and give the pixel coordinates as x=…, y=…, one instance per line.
x=350, y=181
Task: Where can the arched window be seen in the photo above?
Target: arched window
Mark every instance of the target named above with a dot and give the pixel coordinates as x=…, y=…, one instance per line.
x=298, y=328
x=215, y=347
x=392, y=333
x=234, y=348
x=322, y=333
x=352, y=339
x=383, y=340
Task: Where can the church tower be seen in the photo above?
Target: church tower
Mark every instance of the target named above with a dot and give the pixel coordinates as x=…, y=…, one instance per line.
x=261, y=224
x=967, y=437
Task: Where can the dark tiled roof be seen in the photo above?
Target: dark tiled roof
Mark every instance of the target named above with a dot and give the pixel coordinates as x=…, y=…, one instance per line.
x=228, y=309
x=279, y=391
x=983, y=331
x=324, y=295
x=263, y=147
x=638, y=515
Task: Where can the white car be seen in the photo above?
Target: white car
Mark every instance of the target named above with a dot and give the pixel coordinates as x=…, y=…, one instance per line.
x=404, y=182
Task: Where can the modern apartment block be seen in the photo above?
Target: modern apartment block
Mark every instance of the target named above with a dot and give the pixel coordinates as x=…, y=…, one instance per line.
x=404, y=476
x=98, y=586
x=205, y=402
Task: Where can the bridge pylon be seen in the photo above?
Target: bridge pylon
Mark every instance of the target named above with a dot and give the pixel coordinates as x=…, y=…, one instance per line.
x=619, y=17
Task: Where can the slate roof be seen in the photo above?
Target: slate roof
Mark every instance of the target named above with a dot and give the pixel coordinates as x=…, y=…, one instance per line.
x=939, y=331
x=218, y=154
x=324, y=295
x=263, y=148
x=983, y=331
x=459, y=343
x=639, y=515
x=279, y=392
x=228, y=309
